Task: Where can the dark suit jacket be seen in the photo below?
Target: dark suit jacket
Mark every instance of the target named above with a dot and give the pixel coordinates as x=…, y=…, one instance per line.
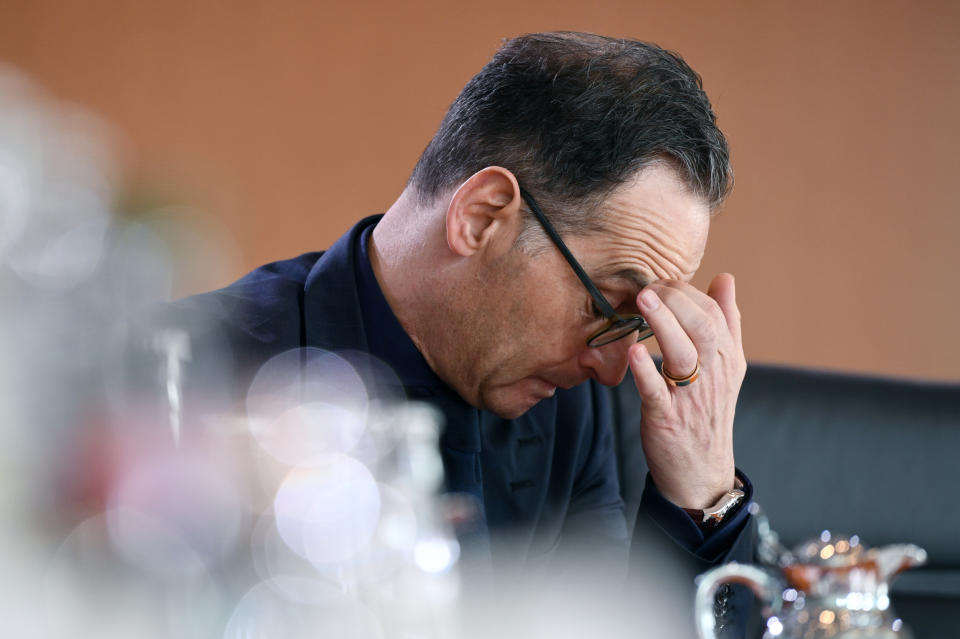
x=547, y=480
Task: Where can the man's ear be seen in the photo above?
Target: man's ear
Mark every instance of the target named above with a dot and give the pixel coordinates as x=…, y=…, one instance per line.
x=484, y=214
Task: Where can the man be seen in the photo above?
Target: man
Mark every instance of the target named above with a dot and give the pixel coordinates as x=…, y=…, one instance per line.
x=567, y=152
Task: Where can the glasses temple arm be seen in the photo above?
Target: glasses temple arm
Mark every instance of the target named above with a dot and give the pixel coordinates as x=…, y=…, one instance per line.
x=602, y=304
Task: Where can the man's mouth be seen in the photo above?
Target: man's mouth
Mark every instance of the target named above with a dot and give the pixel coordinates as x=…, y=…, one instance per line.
x=565, y=384
x=546, y=388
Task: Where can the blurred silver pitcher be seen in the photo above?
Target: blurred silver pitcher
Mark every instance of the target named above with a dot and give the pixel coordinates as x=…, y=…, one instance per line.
x=828, y=587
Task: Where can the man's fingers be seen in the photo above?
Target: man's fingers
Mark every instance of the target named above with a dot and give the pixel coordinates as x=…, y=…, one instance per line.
x=723, y=290
x=653, y=390
x=701, y=299
x=681, y=327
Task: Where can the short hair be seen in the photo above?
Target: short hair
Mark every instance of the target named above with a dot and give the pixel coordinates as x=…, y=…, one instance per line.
x=574, y=116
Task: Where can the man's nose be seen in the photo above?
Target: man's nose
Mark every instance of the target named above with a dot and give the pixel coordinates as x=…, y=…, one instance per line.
x=609, y=362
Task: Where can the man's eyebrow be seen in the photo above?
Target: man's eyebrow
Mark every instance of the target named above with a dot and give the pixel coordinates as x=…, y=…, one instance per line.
x=631, y=276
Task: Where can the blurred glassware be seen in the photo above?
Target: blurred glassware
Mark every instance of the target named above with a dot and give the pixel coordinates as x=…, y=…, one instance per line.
x=144, y=496
x=829, y=587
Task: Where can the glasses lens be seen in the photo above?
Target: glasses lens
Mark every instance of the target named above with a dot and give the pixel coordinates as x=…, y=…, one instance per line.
x=620, y=328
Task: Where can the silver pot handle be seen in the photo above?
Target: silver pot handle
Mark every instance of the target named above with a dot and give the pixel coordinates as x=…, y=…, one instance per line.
x=766, y=587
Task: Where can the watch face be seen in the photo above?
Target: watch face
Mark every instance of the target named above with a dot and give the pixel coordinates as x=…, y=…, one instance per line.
x=727, y=503
x=712, y=517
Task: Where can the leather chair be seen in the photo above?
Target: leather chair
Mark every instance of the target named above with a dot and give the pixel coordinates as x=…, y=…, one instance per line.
x=852, y=454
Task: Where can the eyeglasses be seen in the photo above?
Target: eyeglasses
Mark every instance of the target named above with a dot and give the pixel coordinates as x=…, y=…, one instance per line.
x=617, y=326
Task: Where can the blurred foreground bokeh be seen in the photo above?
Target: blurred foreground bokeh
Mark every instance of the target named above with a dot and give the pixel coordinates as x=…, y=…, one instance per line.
x=309, y=508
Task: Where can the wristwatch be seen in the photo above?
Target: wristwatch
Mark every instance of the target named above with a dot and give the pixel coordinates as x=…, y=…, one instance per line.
x=710, y=518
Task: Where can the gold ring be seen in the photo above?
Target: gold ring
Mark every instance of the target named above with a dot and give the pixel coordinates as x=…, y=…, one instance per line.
x=672, y=380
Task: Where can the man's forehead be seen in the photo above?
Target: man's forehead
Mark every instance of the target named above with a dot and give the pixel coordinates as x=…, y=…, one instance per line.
x=654, y=228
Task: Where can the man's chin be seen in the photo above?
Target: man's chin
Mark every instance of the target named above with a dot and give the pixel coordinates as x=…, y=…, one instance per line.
x=511, y=402
x=511, y=412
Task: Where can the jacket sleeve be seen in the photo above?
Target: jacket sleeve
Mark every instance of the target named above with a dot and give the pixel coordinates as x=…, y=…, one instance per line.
x=666, y=550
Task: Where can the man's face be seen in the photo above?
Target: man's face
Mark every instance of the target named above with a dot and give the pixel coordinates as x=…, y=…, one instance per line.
x=537, y=315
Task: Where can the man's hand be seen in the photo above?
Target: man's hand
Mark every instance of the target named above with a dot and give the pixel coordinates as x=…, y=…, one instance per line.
x=687, y=431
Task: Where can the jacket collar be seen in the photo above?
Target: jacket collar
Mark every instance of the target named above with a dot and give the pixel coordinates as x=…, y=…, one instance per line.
x=331, y=306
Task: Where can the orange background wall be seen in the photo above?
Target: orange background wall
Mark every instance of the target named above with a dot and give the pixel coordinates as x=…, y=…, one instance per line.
x=288, y=121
